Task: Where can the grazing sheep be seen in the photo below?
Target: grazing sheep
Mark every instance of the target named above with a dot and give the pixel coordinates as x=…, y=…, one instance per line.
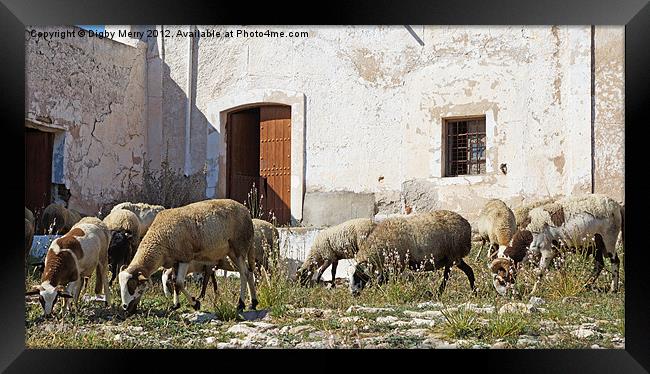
x=334, y=244
x=29, y=232
x=265, y=243
x=521, y=213
x=70, y=259
x=145, y=212
x=574, y=221
x=439, y=239
x=58, y=218
x=496, y=225
x=504, y=268
x=125, y=230
x=206, y=231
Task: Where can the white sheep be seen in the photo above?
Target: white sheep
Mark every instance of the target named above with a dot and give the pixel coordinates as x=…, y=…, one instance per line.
x=333, y=244
x=206, y=231
x=496, y=226
x=145, y=212
x=428, y=241
x=70, y=259
x=575, y=221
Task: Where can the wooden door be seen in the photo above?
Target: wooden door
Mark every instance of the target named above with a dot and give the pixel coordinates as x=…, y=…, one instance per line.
x=38, y=169
x=243, y=153
x=275, y=160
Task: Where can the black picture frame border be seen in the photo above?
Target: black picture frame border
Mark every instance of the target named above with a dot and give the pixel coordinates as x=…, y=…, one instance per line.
x=634, y=14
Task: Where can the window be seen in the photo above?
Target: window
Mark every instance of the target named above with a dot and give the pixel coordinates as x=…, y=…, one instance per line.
x=465, y=146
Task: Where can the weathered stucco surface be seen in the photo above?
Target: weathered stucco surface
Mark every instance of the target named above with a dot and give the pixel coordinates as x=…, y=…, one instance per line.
x=376, y=100
x=93, y=90
x=371, y=103
x=609, y=124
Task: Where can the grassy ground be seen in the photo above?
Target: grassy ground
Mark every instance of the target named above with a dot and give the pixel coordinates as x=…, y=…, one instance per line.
x=404, y=313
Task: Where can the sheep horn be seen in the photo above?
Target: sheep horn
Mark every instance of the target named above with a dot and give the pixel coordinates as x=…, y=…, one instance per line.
x=500, y=263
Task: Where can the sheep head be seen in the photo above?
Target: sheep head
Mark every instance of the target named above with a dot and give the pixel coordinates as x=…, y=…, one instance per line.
x=133, y=283
x=48, y=296
x=503, y=274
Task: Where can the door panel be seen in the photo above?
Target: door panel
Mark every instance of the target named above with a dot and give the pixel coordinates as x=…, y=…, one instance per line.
x=38, y=169
x=275, y=160
x=243, y=153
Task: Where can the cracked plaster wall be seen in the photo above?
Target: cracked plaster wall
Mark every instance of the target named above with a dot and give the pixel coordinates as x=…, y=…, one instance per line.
x=95, y=90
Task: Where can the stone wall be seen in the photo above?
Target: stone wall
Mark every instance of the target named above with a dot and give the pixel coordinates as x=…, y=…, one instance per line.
x=92, y=91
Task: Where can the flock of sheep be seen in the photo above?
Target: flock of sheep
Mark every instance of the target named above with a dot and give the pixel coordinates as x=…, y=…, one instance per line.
x=201, y=237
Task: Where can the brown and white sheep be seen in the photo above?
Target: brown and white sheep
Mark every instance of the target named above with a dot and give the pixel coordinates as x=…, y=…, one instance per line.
x=70, y=259
x=496, y=226
x=333, y=244
x=58, y=219
x=504, y=268
x=124, y=226
x=430, y=241
x=574, y=221
x=206, y=231
x=145, y=212
x=265, y=244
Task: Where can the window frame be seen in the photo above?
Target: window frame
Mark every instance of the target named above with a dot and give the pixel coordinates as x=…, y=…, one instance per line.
x=445, y=151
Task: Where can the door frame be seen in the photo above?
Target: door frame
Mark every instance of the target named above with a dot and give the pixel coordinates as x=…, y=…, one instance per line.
x=216, y=152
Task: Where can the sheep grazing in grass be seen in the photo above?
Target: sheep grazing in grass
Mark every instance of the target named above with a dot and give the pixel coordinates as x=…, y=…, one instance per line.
x=124, y=226
x=145, y=212
x=265, y=244
x=334, y=244
x=496, y=226
x=29, y=231
x=206, y=231
x=504, y=268
x=575, y=221
x=70, y=259
x=428, y=241
x=57, y=219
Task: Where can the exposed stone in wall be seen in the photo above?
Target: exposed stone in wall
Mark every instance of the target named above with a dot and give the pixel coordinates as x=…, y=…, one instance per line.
x=609, y=126
x=94, y=88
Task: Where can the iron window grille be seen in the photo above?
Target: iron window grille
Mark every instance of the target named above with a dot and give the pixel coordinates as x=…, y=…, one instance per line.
x=465, y=139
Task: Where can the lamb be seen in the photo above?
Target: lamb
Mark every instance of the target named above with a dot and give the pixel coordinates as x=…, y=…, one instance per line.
x=265, y=242
x=334, y=244
x=496, y=225
x=145, y=212
x=58, y=218
x=69, y=260
x=575, y=221
x=205, y=231
x=439, y=239
x=124, y=226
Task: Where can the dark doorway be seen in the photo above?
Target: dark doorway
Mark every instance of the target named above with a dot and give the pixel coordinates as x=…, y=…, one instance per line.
x=38, y=169
x=259, y=154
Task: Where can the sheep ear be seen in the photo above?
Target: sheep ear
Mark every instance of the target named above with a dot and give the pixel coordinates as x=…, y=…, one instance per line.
x=33, y=291
x=142, y=278
x=122, y=268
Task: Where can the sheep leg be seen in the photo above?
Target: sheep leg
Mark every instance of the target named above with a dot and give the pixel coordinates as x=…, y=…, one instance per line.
x=114, y=268
x=335, y=263
x=610, y=250
x=321, y=270
x=251, y=284
x=204, y=283
x=107, y=289
x=599, y=263
x=180, y=284
x=98, y=280
x=445, y=277
x=462, y=265
x=165, y=279
x=213, y=276
x=243, y=277
x=546, y=258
